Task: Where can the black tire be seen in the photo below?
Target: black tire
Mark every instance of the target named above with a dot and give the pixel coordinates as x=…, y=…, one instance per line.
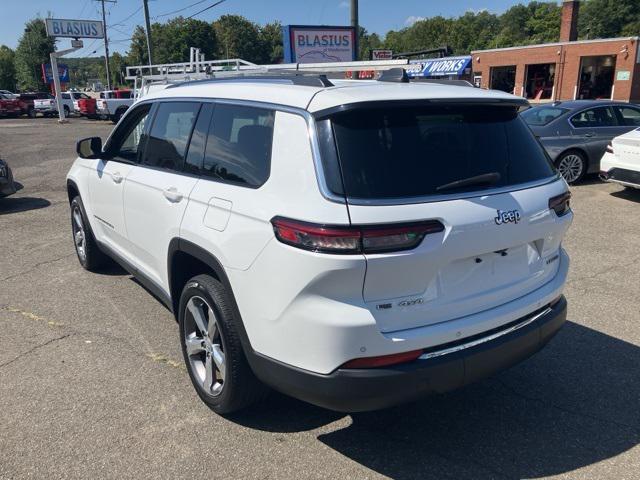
x=115, y=118
x=572, y=165
x=92, y=258
x=240, y=388
x=31, y=113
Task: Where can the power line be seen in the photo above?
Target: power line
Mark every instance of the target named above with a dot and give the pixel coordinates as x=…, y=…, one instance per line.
x=179, y=10
x=121, y=22
x=205, y=9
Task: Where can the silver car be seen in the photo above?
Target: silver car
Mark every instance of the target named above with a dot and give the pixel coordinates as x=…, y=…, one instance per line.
x=576, y=133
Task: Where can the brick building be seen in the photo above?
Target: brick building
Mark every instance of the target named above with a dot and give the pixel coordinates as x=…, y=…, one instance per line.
x=567, y=70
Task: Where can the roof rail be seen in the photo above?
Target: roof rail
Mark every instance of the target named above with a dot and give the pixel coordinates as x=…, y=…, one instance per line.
x=444, y=81
x=295, y=79
x=398, y=75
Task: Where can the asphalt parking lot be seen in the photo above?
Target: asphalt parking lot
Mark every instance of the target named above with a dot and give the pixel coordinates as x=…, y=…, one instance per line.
x=92, y=382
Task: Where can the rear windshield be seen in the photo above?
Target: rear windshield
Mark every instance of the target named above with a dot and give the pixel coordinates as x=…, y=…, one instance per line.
x=540, y=116
x=403, y=152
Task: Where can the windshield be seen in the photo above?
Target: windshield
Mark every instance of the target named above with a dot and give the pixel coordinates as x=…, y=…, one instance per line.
x=540, y=116
x=403, y=152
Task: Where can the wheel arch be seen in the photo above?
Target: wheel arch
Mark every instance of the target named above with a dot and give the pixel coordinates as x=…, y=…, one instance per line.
x=579, y=150
x=186, y=260
x=72, y=190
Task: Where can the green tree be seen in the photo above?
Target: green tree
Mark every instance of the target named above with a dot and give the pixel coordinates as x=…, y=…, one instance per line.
x=238, y=38
x=608, y=18
x=33, y=50
x=7, y=69
x=172, y=41
x=270, y=37
x=366, y=43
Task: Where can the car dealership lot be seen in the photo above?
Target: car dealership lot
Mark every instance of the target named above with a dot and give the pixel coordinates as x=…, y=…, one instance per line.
x=92, y=381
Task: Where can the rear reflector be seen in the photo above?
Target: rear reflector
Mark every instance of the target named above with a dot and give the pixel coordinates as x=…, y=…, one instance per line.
x=384, y=360
x=354, y=239
x=561, y=203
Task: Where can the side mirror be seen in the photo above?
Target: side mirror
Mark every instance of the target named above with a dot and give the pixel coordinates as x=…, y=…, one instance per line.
x=89, y=147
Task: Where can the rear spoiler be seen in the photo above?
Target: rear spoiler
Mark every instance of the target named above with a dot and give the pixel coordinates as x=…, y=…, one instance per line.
x=515, y=102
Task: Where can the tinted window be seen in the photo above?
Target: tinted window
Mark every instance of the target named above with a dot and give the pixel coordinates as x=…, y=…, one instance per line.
x=539, y=116
x=66, y=96
x=629, y=116
x=170, y=135
x=594, y=118
x=129, y=137
x=400, y=152
x=239, y=145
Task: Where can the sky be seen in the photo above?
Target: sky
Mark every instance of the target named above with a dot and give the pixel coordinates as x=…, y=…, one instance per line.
x=377, y=16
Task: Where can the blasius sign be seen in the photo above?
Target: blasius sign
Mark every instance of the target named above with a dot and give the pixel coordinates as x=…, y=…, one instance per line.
x=311, y=44
x=58, y=27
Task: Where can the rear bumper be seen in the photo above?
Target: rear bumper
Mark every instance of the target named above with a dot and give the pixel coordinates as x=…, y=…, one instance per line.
x=622, y=176
x=451, y=367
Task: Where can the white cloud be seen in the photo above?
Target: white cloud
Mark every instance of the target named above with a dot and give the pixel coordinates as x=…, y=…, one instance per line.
x=344, y=4
x=413, y=19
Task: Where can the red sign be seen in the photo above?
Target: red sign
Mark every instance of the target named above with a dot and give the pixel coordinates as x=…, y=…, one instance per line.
x=381, y=54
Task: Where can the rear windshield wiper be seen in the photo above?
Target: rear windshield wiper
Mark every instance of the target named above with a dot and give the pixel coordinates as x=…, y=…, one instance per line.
x=484, y=179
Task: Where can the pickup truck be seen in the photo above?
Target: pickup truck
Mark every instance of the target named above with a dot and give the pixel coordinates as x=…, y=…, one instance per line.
x=26, y=101
x=113, y=103
x=9, y=106
x=48, y=107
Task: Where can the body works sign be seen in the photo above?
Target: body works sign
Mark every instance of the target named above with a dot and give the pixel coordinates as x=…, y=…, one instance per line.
x=311, y=44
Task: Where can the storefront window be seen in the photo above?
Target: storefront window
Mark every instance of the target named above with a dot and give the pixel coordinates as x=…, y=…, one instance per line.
x=596, y=77
x=503, y=78
x=540, y=80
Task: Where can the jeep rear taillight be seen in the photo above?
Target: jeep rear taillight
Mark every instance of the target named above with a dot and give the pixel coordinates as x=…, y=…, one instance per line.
x=353, y=239
x=561, y=204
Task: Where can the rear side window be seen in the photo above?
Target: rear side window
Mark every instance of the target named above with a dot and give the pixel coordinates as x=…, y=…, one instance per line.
x=169, y=135
x=539, y=116
x=406, y=151
x=594, y=118
x=629, y=116
x=238, y=148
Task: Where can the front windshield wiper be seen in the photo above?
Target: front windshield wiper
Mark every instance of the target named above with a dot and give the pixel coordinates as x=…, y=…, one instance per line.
x=484, y=179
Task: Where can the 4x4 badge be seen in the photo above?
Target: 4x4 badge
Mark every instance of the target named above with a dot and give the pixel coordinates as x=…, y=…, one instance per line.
x=510, y=216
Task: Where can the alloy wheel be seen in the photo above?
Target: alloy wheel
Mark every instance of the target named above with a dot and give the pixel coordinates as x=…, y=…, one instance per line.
x=570, y=167
x=204, y=346
x=79, y=235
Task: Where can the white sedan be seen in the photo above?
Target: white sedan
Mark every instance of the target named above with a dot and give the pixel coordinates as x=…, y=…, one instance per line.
x=621, y=162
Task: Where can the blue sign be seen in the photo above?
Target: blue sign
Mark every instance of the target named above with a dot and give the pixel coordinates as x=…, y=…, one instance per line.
x=63, y=73
x=438, y=67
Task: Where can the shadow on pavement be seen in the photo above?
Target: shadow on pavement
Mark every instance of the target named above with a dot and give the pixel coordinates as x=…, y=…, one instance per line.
x=631, y=194
x=22, y=204
x=572, y=405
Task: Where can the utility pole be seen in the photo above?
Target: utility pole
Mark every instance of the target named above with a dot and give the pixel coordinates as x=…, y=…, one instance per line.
x=106, y=42
x=354, y=24
x=148, y=28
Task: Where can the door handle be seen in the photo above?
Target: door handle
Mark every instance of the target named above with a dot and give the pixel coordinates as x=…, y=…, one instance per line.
x=589, y=135
x=172, y=194
x=116, y=177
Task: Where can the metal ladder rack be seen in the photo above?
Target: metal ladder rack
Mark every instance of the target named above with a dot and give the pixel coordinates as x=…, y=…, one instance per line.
x=145, y=76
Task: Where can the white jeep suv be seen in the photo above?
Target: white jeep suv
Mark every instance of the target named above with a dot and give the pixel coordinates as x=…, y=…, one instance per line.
x=352, y=244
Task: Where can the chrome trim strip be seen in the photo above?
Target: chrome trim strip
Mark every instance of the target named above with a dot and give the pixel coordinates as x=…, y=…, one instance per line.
x=480, y=341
